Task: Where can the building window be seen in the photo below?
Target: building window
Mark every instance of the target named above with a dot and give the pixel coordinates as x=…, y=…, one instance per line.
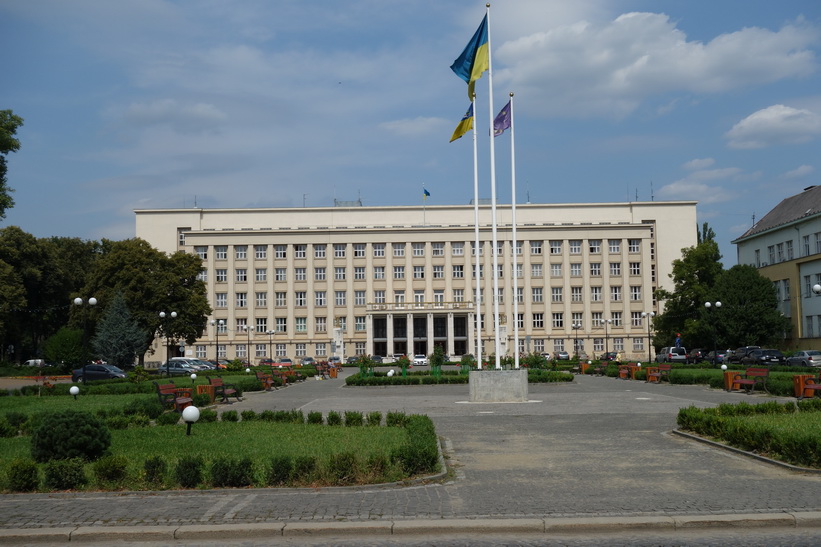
x=419, y=297
x=261, y=299
x=359, y=323
x=300, y=274
x=359, y=272
x=398, y=249
x=458, y=271
x=779, y=248
x=301, y=349
x=615, y=294
x=537, y=295
x=595, y=269
x=221, y=275
x=379, y=272
x=418, y=249
x=260, y=252
x=202, y=252
x=616, y=318
x=221, y=252
x=458, y=295
x=555, y=270
x=378, y=250
x=241, y=252
x=535, y=270
x=789, y=250
x=341, y=298
x=595, y=246
x=595, y=294
x=262, y=325
x=242, y=299
x=635, y=268
x=319, y=274
x=558, y=320
x=301, y=324
x=242, y=351
x=555, y=247
x=535, y=247
x=242, y=275
x=556, y=294
x=634, y=245
x=280, y=274
x=282, y=324
x=359, y=298
x=805, y=244
x=221, y=300
x=300, y=299
x=615, y=245
x=280, y=251
x=419, y=272
x=379, y=297
x=339, y=250
x=473, y=248
x=576, y=294
x=635, y=293
x=281, y=299
x=771, y=253
x=200, y=352
x=457, y=248
x=320, y=250
x=398, y=297
x=339, y=274
x=399, y=272
x=635, y=319
x=300, y=251
x=359, y=250
x=280, y=350
x=615, y=268
x=359, y=348
x=438, y=249
x=261, y=274
x=203, y=276
x=439, y=272
x=320, y=324
x=538, y=320
x=575, y=270
x=320, y=298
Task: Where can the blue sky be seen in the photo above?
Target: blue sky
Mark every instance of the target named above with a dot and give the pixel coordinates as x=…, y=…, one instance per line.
x=255, y=103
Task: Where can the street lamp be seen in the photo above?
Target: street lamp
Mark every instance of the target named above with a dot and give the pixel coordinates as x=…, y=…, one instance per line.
x=606, y=336
x=576, y=327
x=247, y=330
x=816, y=288
x=649, y=316
x=219, y=325
x=270, y=334
x=717, y=305
x=163, y=317
x=190, y=415
x=91, y=303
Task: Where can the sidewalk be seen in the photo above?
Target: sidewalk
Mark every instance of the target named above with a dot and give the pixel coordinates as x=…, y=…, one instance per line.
x=596, y=454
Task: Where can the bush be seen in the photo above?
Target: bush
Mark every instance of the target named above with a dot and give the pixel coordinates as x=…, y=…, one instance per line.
x=354, y=419
x=149, y=406
x=117, y=422
x=280, y=470
x=169, y=418
x=267, y=416
x=68, y=474
x=69, y=434
x=304, y=469
x=188, y=471
x=315, y=417
x=16, y=419
x=201, y=400
x=6, y=429
x=138, y=420
x=395, y=419
x=334, y=418
x=208, y=415
x=342, y=468
x=23, y=475
x=229, y=472
x=421, y=453
x=374, y=418
x=112, y=468
x=249, y=416
x=154, y=470
x=230, y=416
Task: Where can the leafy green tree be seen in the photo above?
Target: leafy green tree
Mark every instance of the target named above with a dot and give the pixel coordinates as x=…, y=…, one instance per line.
x=66, y=349
x=749, y=312
x=694, y=275
x=151, y=282
x=118, y=338
x=8, y=143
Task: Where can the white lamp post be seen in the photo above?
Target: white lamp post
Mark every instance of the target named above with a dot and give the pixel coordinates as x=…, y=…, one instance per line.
x=219, y=325
x=74, y=390
x=576, y=327
x=163, y=317
x=79, y=302
x=190, y=415
x=708, y=306
x=649, y=317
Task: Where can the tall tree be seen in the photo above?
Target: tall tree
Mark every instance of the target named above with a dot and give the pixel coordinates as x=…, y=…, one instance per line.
x=8, y=143
x=694, y=275
x=119, y=338
x=151, y=282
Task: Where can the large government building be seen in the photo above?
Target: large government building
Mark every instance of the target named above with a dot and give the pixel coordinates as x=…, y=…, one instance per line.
x=350, y=280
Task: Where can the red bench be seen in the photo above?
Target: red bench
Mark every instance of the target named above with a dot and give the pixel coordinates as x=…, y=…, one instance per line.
x=753, y=377
x=223, y=390
x=813, y=385
x=176, y=397
x=662, y=372
x=266, y=380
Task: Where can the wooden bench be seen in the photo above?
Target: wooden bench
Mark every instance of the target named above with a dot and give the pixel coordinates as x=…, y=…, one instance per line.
x=323, y=370
x=751, y=378
x=662, y=372
x=811, y=385
x=173, y=396
x=624, y=372
x=267, y=380
x=290, y=374
x=223, y=390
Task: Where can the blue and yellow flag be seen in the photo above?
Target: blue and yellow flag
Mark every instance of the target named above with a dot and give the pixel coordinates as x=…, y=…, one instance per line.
x=465, y=125
x=425, y=194
x=474, y=60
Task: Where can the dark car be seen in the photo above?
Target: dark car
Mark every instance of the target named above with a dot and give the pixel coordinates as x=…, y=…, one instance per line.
x=695, y=355
x=715, y=357
x=177, y=368
x=97, y=372
x=307, y=361
x=562, y=356
x=352, y=360
x=609, y=356
x=376, y=359
x=764, y=357
x=738, y=354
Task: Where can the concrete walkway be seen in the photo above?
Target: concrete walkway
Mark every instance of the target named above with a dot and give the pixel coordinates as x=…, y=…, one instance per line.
x=595, y=454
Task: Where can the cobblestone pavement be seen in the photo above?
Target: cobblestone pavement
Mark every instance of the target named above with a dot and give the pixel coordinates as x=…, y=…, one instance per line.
x=596, y=447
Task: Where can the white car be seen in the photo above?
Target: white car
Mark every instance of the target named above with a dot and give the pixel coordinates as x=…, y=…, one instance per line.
x=420, y=360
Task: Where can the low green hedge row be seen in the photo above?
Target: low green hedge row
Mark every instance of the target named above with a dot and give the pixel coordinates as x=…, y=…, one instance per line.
x=790, y=432
x=446, y=377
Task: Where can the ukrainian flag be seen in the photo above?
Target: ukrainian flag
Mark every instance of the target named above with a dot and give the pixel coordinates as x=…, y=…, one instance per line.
x=465, y=125
x=474, y=60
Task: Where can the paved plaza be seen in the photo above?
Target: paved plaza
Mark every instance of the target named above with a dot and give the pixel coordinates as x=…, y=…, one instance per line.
x=596, y=453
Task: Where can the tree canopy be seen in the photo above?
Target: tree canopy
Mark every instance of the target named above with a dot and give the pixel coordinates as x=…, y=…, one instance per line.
x=8, y=143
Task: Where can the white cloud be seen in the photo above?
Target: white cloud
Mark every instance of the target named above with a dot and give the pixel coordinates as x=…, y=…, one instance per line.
x=774, y=125
x=416, y=126
x=607, y=69
x=799, y=172
x=184, y=118
x=698, y=164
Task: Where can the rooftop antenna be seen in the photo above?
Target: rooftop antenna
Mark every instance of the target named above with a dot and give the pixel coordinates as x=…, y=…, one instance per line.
x=637, y=194
x=195, y=201
x=303, y=200
x=652, y=197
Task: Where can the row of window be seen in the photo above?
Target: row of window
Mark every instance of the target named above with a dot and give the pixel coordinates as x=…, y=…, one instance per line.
x=320, y=350
x=781, y=252
x=321, y=298
x=340, y=250
x=241, y=275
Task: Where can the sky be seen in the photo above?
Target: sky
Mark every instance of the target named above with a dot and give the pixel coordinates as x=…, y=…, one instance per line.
x=138, y=104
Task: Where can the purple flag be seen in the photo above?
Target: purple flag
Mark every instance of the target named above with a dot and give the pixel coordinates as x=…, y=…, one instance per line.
x=502, y=121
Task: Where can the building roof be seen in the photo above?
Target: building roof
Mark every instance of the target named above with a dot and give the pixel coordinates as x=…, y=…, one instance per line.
x=803, y=205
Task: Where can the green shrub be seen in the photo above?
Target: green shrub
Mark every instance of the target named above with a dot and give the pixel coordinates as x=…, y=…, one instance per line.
x=342, y=468
x=279, y=471
x=16, y=419
x=421, y=453
x=395, y=419
x=208, y=415
x=169, y=418
x=230, y=472
x=249, y=416
x=377, y=465
x=139, y=420
x=112, y=468
x=117, y=422
x=315, y=417
x=334, y=418
x=201, y=400
x=267, y=416
x=67, y=474
x=23, y=475
x=354, y=419
x=6, y=429
x=296, y=416
x=304, y=469
x=149, y=406
x=69, y=434
x=374, y=418
x=188, y=471
x=154, y=470
x=230, y=416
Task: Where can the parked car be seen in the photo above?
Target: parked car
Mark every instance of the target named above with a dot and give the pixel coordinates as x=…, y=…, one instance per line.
x=420, y=360
x=715, y=357
x=352, y=360
x=177, y=368
x=609, y=356
x=97, y=372
x=805, y=358
x=376, y=359
x=283, y=362
x=672, y=354
x=336, y=361
x=308, y=361
x=738, y=354
x=547, y=356
x=36, y=363
x=562, y=356
x=763, y=357
x=695, y=355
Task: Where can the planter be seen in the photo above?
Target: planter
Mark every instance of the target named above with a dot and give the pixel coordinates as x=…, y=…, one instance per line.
x=498, y=386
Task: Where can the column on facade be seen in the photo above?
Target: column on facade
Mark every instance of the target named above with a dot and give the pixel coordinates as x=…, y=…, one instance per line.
x=430, y=333
x=410, y=348
x=389, y=320
x=450, y=348
x=368, y=334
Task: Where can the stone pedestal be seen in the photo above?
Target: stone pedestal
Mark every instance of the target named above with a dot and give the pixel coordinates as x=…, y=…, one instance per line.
x=498, y=386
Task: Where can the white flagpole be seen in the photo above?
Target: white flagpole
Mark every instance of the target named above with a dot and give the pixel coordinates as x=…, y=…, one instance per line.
x=494, y=249
x=515, y=257
x=478, y=293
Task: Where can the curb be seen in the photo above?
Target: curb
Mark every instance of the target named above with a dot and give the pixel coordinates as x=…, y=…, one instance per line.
x=376, y=528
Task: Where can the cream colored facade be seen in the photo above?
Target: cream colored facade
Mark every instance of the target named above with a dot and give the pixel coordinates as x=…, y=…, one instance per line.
x=385, y=280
